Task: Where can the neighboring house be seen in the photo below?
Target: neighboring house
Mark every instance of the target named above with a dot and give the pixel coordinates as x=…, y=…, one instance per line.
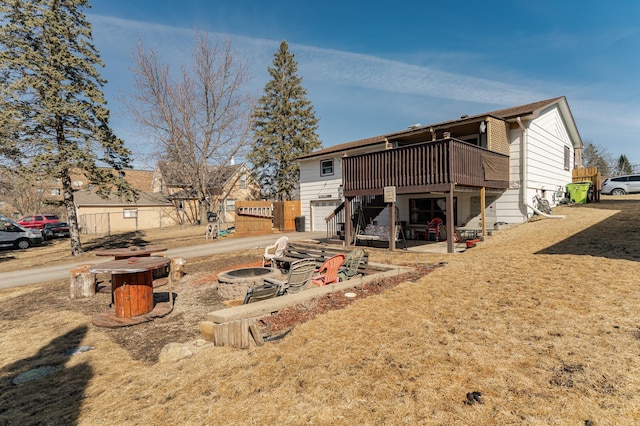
x=227, y=184
x=488, y=165
x=46, y=194
x=97, y=215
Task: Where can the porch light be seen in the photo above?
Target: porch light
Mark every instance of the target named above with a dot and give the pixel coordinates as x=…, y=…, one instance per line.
x=483, y=127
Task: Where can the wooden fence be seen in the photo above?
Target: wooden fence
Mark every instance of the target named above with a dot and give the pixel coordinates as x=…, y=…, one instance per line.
x=253, y=218
x=284, y=215
x=265, y=217
x=589, y=174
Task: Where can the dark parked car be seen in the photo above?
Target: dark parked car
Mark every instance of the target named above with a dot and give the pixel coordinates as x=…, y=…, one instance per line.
x=53, y=230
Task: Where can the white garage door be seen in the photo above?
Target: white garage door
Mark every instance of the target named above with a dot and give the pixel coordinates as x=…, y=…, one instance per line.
x=320, y=210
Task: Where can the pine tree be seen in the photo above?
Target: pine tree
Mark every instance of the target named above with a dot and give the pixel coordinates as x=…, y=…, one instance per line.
x=284, y=128
x=624, y=166
x=52, y=109
x=596, y=156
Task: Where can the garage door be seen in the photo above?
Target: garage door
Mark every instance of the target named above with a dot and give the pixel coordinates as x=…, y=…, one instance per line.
x=320, y=210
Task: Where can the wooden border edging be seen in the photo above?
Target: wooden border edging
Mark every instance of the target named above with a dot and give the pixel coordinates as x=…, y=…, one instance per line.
x=269, y=306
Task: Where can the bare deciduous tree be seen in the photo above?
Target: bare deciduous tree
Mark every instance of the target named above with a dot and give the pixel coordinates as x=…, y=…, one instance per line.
x=199, y=118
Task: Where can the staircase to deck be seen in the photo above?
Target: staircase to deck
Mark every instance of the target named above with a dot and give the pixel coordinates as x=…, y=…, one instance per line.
x=368, y=206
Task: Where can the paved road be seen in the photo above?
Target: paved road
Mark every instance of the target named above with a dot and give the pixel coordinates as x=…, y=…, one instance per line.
x=221, y=245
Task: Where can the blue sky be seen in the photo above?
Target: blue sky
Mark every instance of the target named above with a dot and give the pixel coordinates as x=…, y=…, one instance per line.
x=371, y=68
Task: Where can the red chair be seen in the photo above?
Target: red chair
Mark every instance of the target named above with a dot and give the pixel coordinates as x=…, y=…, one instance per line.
x=331, y=267
x=433, y=229
x=420, y=233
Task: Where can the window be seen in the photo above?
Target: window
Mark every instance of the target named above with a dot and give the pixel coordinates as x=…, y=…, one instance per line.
x=326, y=167
x=231, y=205
x=422, y=210
x=567, y=158
x=55, y=191
x=129, y=213
x=243, y=182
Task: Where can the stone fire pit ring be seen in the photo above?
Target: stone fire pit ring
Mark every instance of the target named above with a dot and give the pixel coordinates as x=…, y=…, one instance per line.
x=233, y=284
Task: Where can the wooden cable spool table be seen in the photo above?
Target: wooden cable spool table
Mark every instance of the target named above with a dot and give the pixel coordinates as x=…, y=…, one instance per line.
x=131, y=251
x=132, y=283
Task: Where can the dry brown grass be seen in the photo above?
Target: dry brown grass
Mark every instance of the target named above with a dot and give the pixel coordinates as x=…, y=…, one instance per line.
x=542, y=319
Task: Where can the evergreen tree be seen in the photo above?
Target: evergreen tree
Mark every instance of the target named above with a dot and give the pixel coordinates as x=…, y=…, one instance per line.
x=597, y=156
x=284, y=128
x=624, y=166
x=52, y=109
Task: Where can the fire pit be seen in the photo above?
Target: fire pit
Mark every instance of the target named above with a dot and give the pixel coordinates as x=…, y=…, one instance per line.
x=234, y=284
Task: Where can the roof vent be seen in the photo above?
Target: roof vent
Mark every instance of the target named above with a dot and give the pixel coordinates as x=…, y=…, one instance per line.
x=464, y=116
x=415, y=126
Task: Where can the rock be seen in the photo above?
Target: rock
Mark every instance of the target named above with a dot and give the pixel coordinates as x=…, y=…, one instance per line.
x=175, y=352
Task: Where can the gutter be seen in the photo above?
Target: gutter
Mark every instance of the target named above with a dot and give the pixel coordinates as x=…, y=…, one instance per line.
x=525, y=162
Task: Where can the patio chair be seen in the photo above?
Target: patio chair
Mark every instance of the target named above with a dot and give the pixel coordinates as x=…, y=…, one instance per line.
x=262, y=292
x=433, y=229
x=280, y=246
x=330, y=267
x=349, y=268
x=298, y=278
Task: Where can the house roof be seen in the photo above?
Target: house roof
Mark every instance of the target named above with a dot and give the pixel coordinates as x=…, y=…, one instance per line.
x=87, y=198
x=219, y=176
x=138, y=179
x=506, y=114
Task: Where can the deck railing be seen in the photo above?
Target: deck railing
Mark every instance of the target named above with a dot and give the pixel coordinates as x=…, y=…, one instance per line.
x=424, y=167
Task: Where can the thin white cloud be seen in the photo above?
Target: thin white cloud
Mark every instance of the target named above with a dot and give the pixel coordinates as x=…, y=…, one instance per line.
x=332, y=66
x=116, y=37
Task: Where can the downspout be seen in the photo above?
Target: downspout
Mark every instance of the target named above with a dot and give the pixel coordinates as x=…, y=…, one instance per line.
x=524, y=154
x=525, y=164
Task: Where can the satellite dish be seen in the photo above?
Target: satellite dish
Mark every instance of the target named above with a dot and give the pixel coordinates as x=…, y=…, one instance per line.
x=78, y=183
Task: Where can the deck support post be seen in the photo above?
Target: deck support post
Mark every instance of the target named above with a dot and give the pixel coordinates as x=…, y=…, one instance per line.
x=451, y=217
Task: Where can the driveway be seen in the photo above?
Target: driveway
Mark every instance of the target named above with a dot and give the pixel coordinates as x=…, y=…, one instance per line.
x=222, y=245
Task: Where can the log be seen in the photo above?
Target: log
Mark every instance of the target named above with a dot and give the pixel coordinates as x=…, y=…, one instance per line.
x=207, y=330
x=238, y=334
x=177, y=268
x=82, y=283
x=255, y=333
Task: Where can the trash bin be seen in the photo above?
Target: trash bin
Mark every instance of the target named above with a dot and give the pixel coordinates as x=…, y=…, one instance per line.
x=299, y=223
x=579, y=192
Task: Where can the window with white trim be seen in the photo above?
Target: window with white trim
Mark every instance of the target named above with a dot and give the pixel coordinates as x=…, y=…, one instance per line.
x=129, y=213
x=326, y=167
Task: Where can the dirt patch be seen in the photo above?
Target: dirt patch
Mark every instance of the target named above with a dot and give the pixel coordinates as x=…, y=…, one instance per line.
x=194, y=295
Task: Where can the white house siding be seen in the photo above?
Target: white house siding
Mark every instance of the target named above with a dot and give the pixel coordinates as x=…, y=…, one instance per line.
x=315, y=188
x=546, y=141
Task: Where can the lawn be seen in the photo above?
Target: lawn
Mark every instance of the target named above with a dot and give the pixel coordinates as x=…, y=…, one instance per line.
x=541, y=320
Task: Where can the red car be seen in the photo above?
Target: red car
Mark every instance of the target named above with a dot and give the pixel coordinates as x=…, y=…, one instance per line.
x=38, y=221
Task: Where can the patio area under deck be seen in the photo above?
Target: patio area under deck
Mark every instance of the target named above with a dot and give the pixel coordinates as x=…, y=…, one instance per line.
x=428, y=167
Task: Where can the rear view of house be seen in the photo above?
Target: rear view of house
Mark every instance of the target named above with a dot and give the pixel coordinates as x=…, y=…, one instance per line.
x=475, y=171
